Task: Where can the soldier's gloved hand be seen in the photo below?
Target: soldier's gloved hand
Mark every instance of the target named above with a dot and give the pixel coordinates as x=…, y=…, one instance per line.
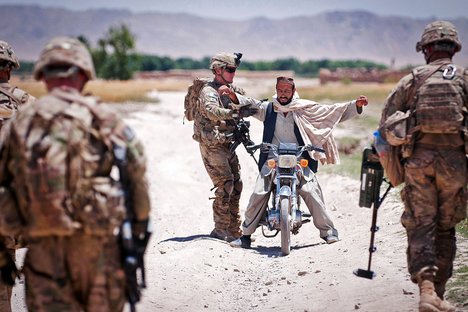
x=139, y=227
x=8, y=270
x=8, y=273
x=141, y=231
x=247, y=111
x=235, y=114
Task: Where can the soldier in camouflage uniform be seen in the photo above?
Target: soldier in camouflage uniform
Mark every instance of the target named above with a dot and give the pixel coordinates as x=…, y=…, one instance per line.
x=213, y=126
x=12, y=98
x=434, y=159
x=57, y=190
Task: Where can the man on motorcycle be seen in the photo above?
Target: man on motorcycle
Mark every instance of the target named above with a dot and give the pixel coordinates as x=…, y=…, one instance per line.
x=289, y=119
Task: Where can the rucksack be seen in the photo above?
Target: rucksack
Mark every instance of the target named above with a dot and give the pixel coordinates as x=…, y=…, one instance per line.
x=63, y=171
x=192, y=98
x=438, y=104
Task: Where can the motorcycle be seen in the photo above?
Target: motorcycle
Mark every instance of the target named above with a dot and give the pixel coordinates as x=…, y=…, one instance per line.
x=287, y=167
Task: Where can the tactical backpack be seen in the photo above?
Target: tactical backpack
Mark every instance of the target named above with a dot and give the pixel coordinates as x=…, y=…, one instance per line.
x=63, y=174
x=192, y=99
x=438, y=102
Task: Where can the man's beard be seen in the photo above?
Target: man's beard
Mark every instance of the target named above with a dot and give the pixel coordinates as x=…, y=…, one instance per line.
x=287, y=100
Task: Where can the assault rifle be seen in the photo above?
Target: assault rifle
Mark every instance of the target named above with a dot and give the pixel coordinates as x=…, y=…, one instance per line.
x=133, y=238
x=242, y=135
x=372, y=176
x=241, y=132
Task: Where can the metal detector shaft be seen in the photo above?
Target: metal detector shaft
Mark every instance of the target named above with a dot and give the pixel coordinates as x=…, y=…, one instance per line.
x=374, y=228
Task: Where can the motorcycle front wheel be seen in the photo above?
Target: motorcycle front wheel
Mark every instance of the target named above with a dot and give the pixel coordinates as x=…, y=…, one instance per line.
x=285, y=226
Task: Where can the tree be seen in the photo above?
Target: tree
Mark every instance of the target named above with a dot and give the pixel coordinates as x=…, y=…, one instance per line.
x=116, y=48
x=114, y=56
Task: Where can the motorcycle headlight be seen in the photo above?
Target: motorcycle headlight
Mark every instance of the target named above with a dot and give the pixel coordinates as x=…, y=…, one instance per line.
x=287, y=161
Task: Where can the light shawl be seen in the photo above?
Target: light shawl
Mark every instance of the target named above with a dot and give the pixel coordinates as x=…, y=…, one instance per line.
x=316, y=123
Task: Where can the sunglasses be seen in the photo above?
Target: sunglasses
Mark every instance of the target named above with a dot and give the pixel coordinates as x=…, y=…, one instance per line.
x=230, y=69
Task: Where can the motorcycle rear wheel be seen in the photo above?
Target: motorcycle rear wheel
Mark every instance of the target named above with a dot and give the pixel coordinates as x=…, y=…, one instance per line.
x=285, y=226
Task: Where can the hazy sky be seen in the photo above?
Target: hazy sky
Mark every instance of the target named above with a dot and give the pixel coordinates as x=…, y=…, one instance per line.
x=242, y=9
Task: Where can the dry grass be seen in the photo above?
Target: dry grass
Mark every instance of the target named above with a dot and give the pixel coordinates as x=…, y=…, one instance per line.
x=375, y=92
x=35, y=88
x=114, y=90
x=137, y=90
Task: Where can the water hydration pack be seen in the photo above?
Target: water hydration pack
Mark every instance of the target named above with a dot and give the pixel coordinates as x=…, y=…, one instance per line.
x=192, y=99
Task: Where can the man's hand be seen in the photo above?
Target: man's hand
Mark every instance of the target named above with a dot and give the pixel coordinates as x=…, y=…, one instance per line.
x=361, y=101
x=226, y=91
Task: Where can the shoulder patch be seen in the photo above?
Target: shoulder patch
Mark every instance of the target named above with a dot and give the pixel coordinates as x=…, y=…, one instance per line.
x=212, y=96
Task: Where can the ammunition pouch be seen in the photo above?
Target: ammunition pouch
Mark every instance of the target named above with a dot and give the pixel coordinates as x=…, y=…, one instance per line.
x=396, y=128
x=399, y=132
x=213, y=136
x=222, y=137
x=101, y=205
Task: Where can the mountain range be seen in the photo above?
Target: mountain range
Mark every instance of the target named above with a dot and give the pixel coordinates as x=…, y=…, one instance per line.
x=331, y=35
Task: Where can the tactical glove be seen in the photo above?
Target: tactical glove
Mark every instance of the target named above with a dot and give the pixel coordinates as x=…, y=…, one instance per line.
x=139, y=227
x=142, y=231
x=247, y=111
x=8, y=270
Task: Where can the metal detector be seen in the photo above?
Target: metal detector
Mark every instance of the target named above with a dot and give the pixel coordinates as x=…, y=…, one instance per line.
x=371, y=179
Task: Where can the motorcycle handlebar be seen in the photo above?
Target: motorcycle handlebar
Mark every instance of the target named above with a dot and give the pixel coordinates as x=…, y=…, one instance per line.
x=266, y=147
x=310, y=147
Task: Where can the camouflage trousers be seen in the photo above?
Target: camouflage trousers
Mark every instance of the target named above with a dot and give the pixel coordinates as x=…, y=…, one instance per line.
x=5, y=290
x=75, y=273
x=224, y=170
x=435, y=201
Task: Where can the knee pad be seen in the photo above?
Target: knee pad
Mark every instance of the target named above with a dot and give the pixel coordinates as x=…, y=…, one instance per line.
x=238, y=185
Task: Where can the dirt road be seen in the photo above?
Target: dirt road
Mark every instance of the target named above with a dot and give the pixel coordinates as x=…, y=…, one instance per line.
x=188, y=271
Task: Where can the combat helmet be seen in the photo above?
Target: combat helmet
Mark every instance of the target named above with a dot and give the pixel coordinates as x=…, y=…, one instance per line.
x=65, y=51
x=224, y=59
x=439, y=31
x=8, y=55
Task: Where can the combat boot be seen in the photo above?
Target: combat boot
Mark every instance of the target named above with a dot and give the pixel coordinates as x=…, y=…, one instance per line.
x=222, y=235
x=428, y=299
x=218, y=234
x=447, y=307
